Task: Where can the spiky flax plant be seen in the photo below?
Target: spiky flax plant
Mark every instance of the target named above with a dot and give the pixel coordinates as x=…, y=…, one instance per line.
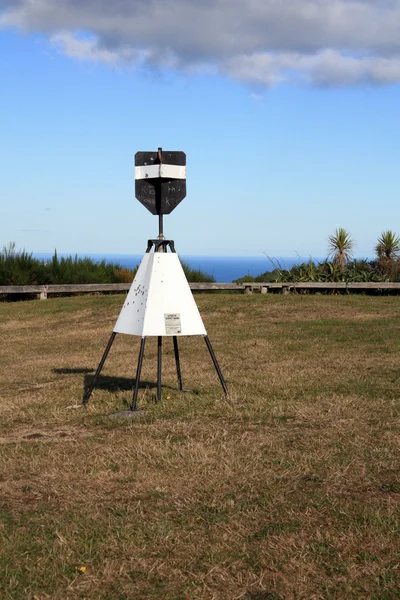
x=340, y=248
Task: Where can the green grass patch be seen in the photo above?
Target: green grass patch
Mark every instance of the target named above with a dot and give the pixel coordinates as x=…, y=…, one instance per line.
x=289, y=490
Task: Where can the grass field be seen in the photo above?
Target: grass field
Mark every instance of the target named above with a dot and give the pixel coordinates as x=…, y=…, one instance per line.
x=289, y=491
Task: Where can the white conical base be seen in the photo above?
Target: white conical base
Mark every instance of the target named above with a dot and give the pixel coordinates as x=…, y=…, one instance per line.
x=160, y=301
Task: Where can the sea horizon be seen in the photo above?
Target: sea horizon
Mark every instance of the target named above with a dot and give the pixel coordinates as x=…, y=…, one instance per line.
x=223, y=268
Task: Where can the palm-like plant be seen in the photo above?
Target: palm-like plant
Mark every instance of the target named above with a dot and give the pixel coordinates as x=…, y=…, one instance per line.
x=388, y=246
x=340, y=248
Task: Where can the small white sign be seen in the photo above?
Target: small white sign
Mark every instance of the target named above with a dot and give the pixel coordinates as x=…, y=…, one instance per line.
x=172, y=323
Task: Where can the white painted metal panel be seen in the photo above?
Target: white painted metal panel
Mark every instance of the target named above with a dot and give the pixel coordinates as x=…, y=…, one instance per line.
x=160, y=301
x=131, y=317
x=170, y=294
x=148, y=171
x=173, y=171
x=154, y=171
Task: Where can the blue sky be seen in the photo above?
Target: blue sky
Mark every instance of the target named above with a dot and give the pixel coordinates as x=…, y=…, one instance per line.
x=277, y=156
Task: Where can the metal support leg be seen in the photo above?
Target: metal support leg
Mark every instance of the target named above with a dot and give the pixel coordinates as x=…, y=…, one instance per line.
x=99, y=368
x=178, y=364
x=159, y=367
x=216, y=365
x=138, y=370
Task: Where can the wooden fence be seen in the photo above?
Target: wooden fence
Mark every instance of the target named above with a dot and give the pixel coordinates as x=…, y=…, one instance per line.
x=42, y=291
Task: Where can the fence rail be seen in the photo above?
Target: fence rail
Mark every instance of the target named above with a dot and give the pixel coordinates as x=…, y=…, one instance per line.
x=42, y=291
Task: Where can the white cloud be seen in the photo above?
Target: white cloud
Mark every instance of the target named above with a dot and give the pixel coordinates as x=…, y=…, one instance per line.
x=84, y=49
x=260, y=42
x=324, y=68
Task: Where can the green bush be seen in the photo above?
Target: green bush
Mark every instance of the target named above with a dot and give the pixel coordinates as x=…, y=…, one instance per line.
x=18, y=267
x=328, y=271
x=195, y=275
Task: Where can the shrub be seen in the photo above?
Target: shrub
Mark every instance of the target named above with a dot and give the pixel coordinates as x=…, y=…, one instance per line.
x=18, y=267
x=329, y=271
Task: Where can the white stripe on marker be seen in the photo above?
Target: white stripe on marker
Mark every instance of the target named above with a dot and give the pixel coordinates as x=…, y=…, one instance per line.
x=154, y=171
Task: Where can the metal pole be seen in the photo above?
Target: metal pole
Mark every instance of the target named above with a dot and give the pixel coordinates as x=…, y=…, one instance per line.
x=159, y=249
x=158, y=198
x=160, y=225
x=216, y=365
x=178, y=365
x=99, y=368
x=159, y=367
x=138, y=370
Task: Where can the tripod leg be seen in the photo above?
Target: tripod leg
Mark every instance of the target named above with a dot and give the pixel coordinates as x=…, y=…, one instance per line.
x=99, y=368
x=159, y=367
x=178, y=364
x=139, y=368
x=216, y=365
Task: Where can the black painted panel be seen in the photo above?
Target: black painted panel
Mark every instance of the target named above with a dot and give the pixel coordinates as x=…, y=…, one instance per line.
x=160, y=195
x=168, y=158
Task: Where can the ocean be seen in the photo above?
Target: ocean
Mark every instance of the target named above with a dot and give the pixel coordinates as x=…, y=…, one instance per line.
x=224, y=268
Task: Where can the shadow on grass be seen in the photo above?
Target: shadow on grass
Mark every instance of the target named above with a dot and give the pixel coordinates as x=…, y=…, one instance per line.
x=67, y=371
x=106, y=382
x=115, y=384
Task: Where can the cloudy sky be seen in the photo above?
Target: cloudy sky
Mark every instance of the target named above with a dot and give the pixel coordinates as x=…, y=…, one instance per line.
x=287, y=110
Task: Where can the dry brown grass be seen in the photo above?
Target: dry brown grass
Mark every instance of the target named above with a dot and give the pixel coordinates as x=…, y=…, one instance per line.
x=289, y=492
